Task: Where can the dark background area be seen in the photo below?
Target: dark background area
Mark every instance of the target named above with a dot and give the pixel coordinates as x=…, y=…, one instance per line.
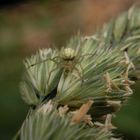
x=6, y=3
x=26, y=26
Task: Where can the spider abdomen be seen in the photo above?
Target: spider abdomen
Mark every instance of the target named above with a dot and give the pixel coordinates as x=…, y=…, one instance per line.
x=68, y=54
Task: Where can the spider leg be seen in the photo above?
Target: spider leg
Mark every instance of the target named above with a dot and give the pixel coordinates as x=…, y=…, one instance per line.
x=48, y=59
x=79, y=74
x=82, y=72
x=82, y=57
x=89, y=54
x=50, y=73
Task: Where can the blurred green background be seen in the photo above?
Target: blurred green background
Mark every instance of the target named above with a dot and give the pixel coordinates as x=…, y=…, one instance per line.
x=26, y=26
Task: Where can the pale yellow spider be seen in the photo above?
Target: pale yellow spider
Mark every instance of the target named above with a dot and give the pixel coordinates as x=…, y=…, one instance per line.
x=68, y=59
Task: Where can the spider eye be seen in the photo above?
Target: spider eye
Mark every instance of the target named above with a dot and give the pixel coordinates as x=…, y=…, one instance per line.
x=68, y=53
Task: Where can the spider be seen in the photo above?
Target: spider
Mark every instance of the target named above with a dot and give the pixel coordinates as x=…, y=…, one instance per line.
x=68, y=59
